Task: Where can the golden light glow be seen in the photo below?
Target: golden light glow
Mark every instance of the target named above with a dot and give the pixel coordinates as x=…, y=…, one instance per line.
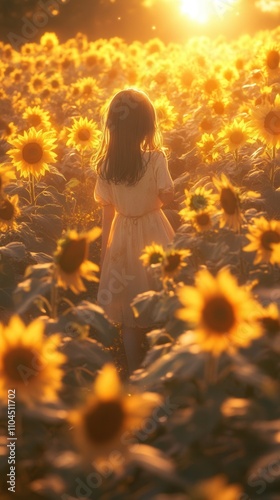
x=202, y=11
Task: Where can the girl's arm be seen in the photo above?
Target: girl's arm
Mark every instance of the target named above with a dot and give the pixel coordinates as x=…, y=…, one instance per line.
x=108, y=213
x=167, y=196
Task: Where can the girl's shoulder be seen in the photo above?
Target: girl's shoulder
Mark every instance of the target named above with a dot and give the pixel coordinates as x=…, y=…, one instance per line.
x=154, y=155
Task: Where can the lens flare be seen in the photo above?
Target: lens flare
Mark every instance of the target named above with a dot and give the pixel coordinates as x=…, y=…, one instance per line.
x=203, y=11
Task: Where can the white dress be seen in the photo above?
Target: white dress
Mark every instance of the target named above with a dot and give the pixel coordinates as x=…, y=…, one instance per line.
x=138, y=221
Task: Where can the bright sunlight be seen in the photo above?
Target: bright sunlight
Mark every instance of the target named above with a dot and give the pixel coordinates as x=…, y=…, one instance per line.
x=203, y=11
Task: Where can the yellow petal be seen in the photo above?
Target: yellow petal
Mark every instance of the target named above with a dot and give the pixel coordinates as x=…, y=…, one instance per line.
x=107, y=384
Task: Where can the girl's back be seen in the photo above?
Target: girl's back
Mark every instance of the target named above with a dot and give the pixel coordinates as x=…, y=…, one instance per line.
x=142, y=197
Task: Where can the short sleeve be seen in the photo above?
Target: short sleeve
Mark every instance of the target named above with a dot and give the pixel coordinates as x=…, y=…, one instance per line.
x=102, y=192
x=163, y=178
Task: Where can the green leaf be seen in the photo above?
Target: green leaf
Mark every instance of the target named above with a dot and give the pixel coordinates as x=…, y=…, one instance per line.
x=14, y=250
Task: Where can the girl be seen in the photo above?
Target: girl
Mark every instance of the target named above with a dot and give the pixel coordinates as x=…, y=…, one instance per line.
x=133, y=183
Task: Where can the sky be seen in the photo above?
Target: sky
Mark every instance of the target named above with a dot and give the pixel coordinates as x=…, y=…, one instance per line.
x=170, y=20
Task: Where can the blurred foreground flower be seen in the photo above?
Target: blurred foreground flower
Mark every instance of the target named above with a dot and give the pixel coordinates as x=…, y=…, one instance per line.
x=216, y=488
x=264, y=238
x=223, y=314
x=33, y=152
x=71, y=259
x=29, y=363
x=110, y=415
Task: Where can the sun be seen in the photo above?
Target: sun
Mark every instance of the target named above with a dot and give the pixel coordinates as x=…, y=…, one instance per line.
x=203, y=11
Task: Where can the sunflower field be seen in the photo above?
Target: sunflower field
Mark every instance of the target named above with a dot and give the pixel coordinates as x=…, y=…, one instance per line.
x=200, y=419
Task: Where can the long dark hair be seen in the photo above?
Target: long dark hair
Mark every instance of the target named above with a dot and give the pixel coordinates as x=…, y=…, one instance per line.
x=130, y=128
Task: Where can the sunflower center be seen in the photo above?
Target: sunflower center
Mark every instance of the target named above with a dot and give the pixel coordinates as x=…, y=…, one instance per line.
x=219, y=107
x=155, y=258
x=37, y=83
x=273, y=59
x=198, y=201
x=84, y=134
x=172, y=262
x=237, y=137
x=32, y=153
x=104, y=422
x=7, y=210
x=210, y=85
x=87, y=90
x=15, y=359
x=208, y=146
x=203, y=219
x=228, y=201
x=272, y=122
x=73, y=255
x=268, y=238
x=34, y=120
x=55, y=84
x=218, y=315
x=206, y=124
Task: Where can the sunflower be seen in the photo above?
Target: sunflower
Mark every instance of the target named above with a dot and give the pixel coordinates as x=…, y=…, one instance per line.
x=235, y=135
x=210, y=85
x=230, y=202
x=84, y=134
x=7, y=130
x=29, y=363
x=33, y=151
x=36, y=117
x=265, y=122
x=197, y=200
x=222, y=313
x=109, y=415
x=264, y=238
x=152, y=255
x=173, y=262
x=167, y=117
x=272, y=59
x=6, y=175
x=49, y=41
x=88, y=88
x=9, y=211
x=16, y=75
x=55, y=82
x=71, y=259
x=270, y=319
x=201, y=220
x=37, y=83
x=219, y=106
x=208, y=148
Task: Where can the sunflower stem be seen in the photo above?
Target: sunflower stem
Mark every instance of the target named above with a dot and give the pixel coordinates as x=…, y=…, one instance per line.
x=83, y=165
x=272, y=171
x=211, y=369
x=54, y=296
x=32, y=189
x=236, y=156
x=241, y=262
